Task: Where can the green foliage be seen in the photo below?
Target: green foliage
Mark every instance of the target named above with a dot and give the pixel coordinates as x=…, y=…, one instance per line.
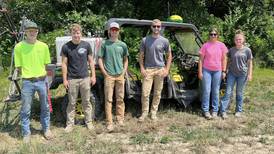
x=255, y=18
x=89, y=21
x=258, y=31
x=165, y=139
x=49, y=39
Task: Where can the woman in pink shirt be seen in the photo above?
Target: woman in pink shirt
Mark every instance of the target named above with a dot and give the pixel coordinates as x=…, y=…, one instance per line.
x=212, y=66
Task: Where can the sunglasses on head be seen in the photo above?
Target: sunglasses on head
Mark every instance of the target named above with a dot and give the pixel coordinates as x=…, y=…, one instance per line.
x=213, y=34
x=154, y=26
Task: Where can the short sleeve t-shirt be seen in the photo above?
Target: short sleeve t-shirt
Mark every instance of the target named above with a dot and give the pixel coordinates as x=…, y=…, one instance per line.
x=113, y=54
x=77, y=55
x=154, y=50
x=213, y=52
x=32, y=58
x=238, y=60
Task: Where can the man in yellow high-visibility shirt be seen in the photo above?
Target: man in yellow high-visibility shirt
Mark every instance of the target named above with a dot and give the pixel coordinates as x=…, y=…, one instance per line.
x=31, y=57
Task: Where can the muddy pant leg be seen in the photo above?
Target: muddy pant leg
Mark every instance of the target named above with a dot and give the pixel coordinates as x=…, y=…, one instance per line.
x=120, y=105
x=108, y=88
x=72, y=95
x=85, y=95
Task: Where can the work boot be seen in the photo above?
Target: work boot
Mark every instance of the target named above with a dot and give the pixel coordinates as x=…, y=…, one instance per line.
x=90, y=126
x=214, y=115
x=120, y=123
x=48, y=135
x=238, y=114
x=224, y=115
x=110, y=128
x=153, y=117
x=142, y=118
x=207, y=115
x=69, y=128
x=26, y=139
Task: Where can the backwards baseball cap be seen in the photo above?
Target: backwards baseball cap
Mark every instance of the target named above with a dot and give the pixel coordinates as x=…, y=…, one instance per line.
x=30, y=24
x=114, y=25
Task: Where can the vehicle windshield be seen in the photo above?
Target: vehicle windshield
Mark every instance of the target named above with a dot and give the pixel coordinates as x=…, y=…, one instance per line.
x=188, y=42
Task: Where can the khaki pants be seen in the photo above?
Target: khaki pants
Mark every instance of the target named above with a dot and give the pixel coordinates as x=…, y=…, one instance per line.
x=153, y=75
x=74, y=86
x=109, y=83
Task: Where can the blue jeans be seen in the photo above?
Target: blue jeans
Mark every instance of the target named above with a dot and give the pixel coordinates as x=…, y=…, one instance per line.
x=211, y=85
x=240, y=84
x=28, y=90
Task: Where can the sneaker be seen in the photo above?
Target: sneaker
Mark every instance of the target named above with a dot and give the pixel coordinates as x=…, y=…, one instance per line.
x=238, y=114
x=110, y=128
x=120, y=123
x=214, y=115
x=69, y=128
x=207, y=115
x=142, y=118
x=26, y=139
x=90, y=126
x=48, y=135
x=224, y=115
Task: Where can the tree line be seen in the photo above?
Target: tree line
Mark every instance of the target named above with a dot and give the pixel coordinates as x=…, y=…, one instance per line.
x=254, y=17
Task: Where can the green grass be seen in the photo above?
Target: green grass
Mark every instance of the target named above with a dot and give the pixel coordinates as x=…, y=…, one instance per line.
x=142, y=139
x=176, y=131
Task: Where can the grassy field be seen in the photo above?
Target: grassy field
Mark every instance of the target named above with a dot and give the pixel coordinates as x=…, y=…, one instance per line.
x=175, y=131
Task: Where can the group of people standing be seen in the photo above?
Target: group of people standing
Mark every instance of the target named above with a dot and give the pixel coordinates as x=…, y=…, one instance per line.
x=214, y=66
x=155, y=57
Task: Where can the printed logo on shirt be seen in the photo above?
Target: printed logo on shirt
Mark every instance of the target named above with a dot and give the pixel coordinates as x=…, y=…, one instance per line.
x=160, y=47
x=82, y=50
x=119, y=49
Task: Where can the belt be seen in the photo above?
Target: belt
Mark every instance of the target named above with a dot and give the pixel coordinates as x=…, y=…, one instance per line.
x=40, y=78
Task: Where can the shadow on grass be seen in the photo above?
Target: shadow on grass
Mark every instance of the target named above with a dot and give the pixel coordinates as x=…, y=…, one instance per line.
x=9, y=117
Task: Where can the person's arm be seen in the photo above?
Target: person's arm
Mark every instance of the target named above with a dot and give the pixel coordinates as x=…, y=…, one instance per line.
x=168, y=62
x=125, y=64
x=141, y=63
x=92, y=69
x=250, y=70
x=65, y=71
x=101, y=65
x=224, y=64
x=200, y=67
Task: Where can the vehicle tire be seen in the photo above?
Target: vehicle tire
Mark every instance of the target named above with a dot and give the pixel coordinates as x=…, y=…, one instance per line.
x=97, y=101
x=79, y=113
x=64, y=105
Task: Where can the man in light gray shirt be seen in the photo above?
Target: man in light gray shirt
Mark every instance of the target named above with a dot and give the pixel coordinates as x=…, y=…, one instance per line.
x=153, y=67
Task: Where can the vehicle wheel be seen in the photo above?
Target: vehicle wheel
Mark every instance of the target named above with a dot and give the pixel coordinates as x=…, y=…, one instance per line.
x=79, y=114
x=64, y=105
x=97, y=100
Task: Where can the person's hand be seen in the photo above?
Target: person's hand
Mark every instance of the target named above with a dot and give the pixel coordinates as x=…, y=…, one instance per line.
x=93, y=80
x=223, y=75
x=164, y=72
x=143, y=72
x=200, y=75
x=249, y=77
x=66, y=84
x=124, y=72
x=105, y=75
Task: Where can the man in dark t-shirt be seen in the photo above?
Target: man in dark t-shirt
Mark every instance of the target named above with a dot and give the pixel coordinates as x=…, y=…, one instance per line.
x=76, y=55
